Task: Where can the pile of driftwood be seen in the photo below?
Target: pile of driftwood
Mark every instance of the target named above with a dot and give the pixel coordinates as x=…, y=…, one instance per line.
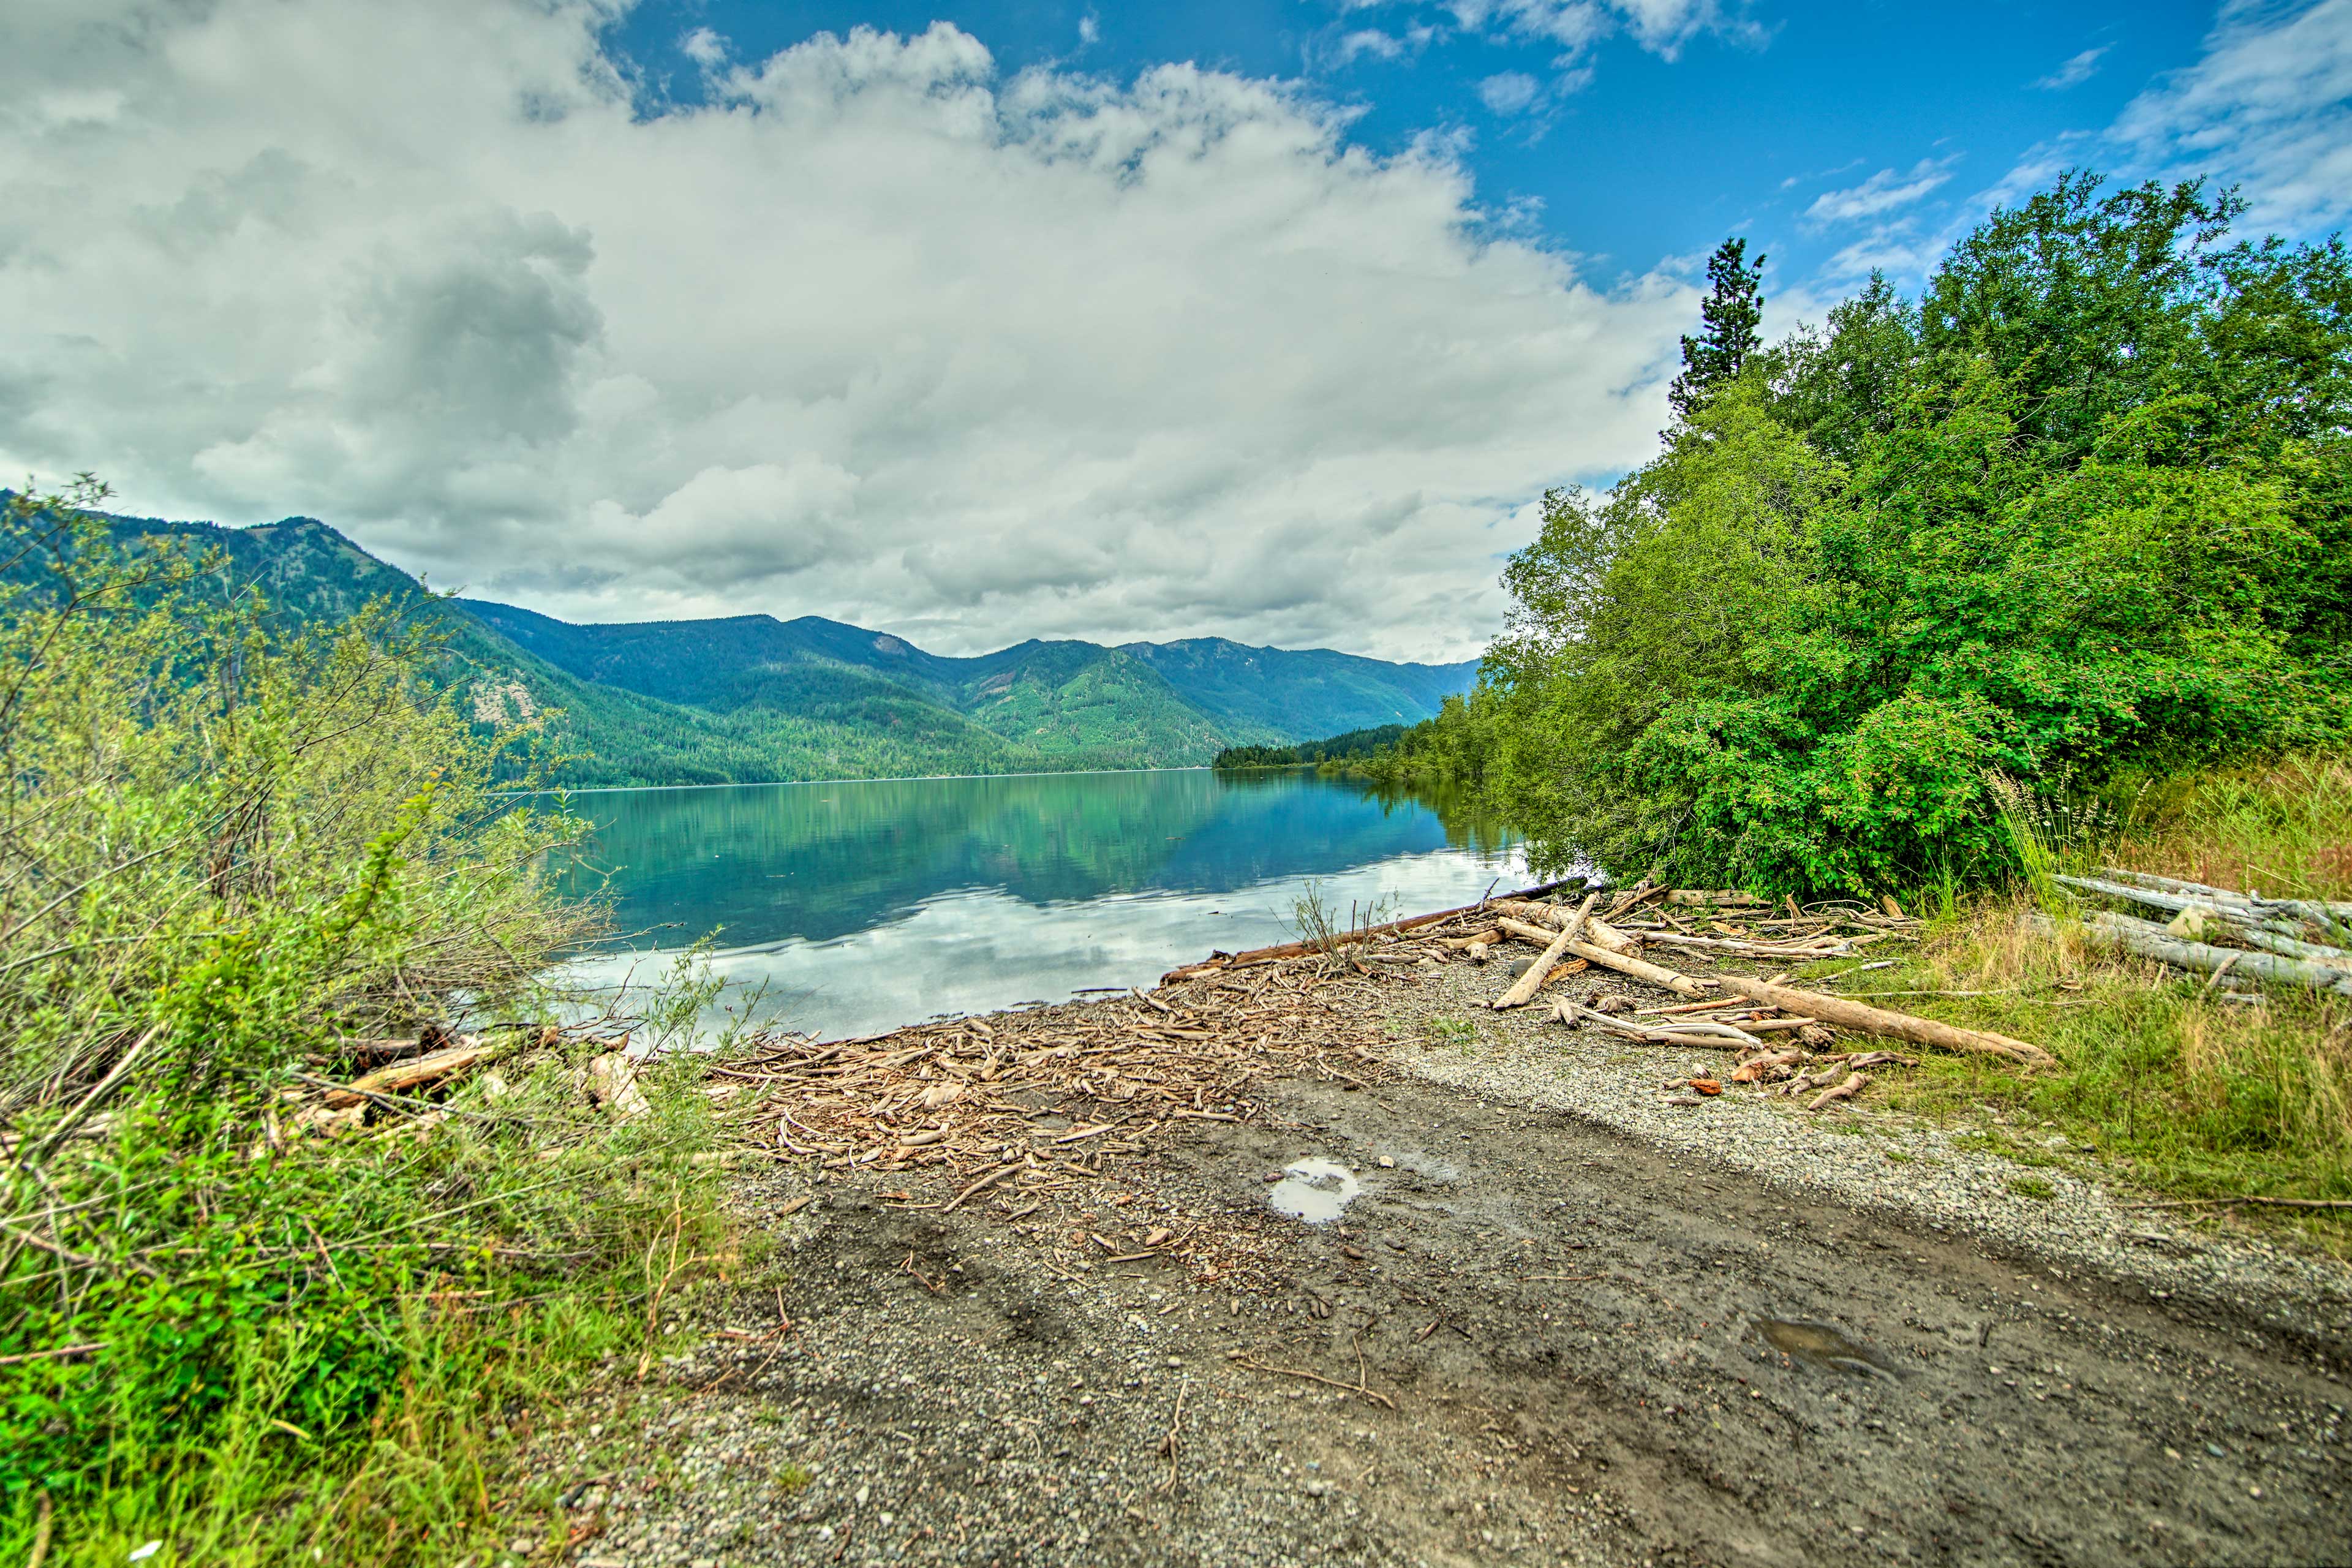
x=1627, y=932
x=1731, y=1010
x=399, y=1076
x=1036, y=1109
x=2293, y=944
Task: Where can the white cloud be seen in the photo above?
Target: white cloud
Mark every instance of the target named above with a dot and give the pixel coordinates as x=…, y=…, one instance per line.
x=704, y=47
x=1508, y=93
x=1882, y=193
x=2269, y=104
x=2075, y=70
x=1660, y=26
x=1090, y=29
x=1366, y=41
x=877, y=333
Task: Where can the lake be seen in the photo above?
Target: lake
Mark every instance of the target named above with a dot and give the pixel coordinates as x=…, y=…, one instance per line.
x=862, y=906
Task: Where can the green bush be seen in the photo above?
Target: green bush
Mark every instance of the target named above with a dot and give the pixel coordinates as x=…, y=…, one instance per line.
x=2077, y=516
x=227, y=855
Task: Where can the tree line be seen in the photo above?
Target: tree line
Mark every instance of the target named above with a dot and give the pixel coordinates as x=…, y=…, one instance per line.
x=2076, y=517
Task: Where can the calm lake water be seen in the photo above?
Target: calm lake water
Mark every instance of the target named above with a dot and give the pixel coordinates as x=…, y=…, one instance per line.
x=861, y=907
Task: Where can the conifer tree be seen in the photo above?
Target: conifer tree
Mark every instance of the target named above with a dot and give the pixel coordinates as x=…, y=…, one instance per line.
x=1732, y=309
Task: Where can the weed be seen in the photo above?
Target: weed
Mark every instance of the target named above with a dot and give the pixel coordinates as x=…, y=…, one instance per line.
x=1457, y=1032
x=2034, y=1187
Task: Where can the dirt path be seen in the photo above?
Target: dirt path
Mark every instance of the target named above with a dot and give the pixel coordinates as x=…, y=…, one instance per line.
x=1575, y=1346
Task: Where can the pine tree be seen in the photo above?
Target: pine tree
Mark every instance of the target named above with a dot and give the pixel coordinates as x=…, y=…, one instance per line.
x=1732, y=309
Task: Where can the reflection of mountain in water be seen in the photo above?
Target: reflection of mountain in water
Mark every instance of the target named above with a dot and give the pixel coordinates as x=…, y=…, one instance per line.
x=821, y=861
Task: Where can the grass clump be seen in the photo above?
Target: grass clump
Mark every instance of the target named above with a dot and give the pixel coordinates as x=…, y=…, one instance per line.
x=2191, y=1089
x=231, y=853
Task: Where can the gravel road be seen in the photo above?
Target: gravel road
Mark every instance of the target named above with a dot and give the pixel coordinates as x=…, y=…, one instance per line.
x=1559, y=1322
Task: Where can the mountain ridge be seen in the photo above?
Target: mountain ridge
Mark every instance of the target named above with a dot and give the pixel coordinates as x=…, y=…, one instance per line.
x=756, y=698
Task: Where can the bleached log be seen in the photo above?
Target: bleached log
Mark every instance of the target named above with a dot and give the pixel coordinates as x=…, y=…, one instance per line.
x=1851, y=1015
x=1527, y=984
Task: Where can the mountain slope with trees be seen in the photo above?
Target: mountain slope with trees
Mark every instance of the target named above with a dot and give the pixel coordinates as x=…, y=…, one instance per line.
x=748, y=699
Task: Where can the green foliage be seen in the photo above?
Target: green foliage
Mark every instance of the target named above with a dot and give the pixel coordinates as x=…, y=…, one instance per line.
x=1354, y=744
x=1733, y=308
x=231, y=844
x=2079, y=516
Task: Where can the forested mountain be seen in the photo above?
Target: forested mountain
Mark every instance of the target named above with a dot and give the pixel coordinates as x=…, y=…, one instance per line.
x=1303, y=692
x=748, y=697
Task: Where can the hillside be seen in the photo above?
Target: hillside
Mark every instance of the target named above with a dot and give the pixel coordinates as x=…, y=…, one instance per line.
x=1303, y=692
x=746, y=698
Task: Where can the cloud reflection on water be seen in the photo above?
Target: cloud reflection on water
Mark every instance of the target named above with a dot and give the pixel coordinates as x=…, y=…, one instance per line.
x=893, y=918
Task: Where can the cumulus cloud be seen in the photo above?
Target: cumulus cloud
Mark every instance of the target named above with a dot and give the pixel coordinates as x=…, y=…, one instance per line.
x=2269, y=104
x=876, y=331
x=1510, y=92
x=2074, y=71
x=704, y=47
x=1882, y=193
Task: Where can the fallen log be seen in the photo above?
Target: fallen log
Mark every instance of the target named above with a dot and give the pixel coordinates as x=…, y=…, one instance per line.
x=2152, y=941
x=1851, y=1015
x=2234, y=910
x=1750, y=948
x=1552, y=918
x=1527, y=984
x=1640, y=969
x=1727, y=898
x=2306, y=908
x=414, y=1073
x=1729, y=1038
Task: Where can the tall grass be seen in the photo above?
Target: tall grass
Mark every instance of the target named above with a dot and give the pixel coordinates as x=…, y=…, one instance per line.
x=2191, y=1091
x=232, y=851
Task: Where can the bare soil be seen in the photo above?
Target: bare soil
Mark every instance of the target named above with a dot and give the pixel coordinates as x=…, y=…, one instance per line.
x=1540, y=1341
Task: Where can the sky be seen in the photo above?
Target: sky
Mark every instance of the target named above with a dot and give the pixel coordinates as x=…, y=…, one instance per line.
x=1270, y=320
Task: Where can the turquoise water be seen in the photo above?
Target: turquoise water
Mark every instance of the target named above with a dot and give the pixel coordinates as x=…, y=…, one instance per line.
x=862, y=906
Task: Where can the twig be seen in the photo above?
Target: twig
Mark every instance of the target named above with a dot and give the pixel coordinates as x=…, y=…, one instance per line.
x=1373, y=1395
x=115, y=1076
x=47, y=1354
x=1173, y=1443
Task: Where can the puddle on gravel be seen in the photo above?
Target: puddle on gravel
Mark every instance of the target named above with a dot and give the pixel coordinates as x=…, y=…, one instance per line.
x=1823, y=1346
x=1314, y=1190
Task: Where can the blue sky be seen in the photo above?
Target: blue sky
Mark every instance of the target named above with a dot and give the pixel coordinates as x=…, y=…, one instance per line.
x=1624, y=151
x=1271, y=320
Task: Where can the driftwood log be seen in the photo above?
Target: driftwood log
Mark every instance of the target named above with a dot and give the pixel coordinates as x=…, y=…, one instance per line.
x=1591, y=952
x=413, y=1073
x=2319, y=909
x=1869, y=1020
x=1528, y=984
x=1846, y=1090
x=1732, y=1039
x=2152, y=941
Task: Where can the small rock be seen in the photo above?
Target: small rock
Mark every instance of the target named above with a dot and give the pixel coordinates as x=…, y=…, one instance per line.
x=1388, y=1162
x=2215, y=1450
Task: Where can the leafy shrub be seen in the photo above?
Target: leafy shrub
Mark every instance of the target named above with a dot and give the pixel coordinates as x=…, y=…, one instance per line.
x=2077, y=516
x=226, y=854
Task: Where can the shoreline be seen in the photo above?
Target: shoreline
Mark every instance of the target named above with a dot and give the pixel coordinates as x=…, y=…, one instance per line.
x=1069, y=1329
